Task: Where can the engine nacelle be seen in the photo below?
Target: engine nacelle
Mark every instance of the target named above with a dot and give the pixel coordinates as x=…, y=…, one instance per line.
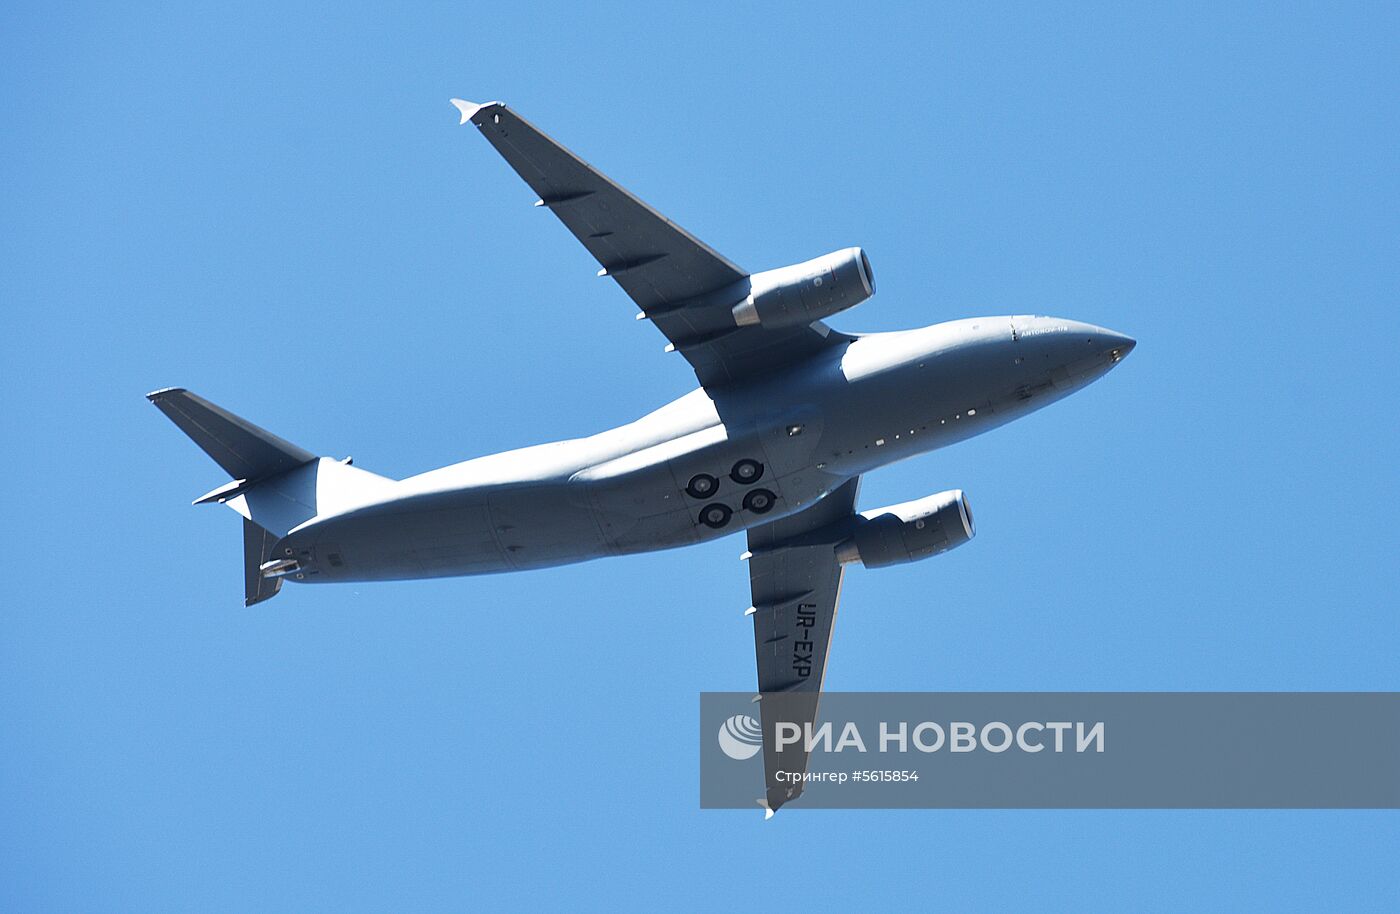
x=806, y=292
x=909, y=531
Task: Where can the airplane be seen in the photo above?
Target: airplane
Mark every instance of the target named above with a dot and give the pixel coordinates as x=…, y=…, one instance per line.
x=788, y=415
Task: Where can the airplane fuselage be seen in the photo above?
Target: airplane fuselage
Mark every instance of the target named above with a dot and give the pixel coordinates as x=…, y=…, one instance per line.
x=686, y=472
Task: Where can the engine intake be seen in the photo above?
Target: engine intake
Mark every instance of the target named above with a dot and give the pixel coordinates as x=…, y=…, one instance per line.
x=807, y=292
x=909, y=531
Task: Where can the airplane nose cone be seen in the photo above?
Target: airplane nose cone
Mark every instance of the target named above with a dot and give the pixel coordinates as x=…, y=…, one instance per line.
x=1117, y=345
x=1084, y=352
x=1100, y=341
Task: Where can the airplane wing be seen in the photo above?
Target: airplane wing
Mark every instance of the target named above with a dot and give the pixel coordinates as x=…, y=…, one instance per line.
x=681, y=284
x=796, y=585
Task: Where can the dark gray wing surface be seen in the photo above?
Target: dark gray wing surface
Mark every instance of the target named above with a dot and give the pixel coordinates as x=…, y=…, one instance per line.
x=681, y=284
x=796, y=585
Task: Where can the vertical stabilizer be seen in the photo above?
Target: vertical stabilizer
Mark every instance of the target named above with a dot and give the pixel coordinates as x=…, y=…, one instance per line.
x=257, y=549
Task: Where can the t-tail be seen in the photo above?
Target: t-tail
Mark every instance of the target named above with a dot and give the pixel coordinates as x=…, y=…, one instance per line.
x=277, y=486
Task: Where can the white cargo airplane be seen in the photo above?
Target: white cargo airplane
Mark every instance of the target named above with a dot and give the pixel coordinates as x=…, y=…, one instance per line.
x=788, y=415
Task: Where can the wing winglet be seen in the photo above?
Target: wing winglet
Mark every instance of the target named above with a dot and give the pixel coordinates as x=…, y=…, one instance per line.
x=469, y=109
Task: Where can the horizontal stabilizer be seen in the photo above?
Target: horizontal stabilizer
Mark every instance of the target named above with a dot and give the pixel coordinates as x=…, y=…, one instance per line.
x=244, y=450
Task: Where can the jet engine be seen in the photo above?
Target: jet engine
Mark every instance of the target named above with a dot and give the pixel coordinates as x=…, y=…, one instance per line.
x=909, y=531
x=807, y=292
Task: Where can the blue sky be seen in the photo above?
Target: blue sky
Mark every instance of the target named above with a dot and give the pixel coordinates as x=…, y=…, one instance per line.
x=275, y=207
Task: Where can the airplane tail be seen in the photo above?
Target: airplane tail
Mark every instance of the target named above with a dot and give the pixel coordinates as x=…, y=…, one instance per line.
x=276, y=485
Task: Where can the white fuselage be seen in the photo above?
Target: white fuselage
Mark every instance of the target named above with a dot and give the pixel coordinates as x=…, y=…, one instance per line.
x=879, y=399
